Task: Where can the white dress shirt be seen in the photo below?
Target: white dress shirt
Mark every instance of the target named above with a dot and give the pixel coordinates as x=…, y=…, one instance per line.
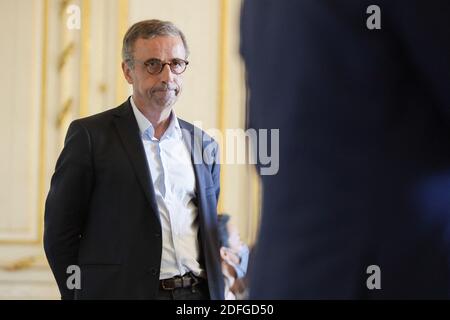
x=173, y=180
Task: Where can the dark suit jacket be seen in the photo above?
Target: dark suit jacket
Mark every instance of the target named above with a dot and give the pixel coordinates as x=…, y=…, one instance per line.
x=364, y=119
x=101, y=212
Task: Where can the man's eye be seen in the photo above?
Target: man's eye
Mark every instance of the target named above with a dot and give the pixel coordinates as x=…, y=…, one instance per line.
x=176, y=63
x=153, y=63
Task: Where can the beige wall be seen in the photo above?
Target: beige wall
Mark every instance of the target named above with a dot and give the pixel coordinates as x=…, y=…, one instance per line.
x=19, y=122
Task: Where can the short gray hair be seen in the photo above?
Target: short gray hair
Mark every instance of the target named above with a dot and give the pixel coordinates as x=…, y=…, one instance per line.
x=148, y=29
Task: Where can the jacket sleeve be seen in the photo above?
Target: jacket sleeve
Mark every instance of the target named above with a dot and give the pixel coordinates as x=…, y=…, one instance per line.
x=67, y=204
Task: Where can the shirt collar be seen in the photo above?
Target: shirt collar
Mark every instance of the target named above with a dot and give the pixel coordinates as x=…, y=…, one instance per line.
x=146, y=128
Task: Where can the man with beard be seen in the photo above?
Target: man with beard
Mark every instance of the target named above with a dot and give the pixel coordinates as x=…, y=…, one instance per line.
x=134, y=195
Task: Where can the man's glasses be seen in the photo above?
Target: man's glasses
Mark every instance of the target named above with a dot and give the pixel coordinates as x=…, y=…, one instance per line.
x=155, y=66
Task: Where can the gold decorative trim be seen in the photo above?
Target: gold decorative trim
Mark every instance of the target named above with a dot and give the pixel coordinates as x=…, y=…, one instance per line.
x=62, y=115
x=67, y=52
x=26, y=262
x=255, y=185
x=63, y=5
x=122, y=26
x=85, y=61
x=20, y=264
x=102, y=88
x=43, y=122
x=223, y=82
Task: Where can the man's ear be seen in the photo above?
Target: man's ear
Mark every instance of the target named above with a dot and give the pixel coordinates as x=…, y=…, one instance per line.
x=127, y=72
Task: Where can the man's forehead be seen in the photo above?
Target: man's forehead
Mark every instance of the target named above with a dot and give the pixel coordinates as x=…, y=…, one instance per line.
x=171, y=45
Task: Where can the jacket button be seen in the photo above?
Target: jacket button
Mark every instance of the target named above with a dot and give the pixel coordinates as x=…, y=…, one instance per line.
x=158, y=235
x=153, y=271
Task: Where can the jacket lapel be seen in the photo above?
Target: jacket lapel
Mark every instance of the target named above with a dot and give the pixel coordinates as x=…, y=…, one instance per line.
x=194, y=145
x=128, y=130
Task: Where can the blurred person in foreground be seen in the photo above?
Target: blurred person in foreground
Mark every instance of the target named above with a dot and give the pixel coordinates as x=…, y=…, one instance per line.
x=364, y=120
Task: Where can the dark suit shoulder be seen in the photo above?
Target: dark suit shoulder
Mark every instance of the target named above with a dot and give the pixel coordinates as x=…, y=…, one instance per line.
x=103, y=116
x=102, y=120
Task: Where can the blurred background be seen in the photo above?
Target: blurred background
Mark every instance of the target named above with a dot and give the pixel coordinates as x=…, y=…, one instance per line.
x=61, y=61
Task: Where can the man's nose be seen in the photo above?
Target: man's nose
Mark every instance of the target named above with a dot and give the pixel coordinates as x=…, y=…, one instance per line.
x=167, y=75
